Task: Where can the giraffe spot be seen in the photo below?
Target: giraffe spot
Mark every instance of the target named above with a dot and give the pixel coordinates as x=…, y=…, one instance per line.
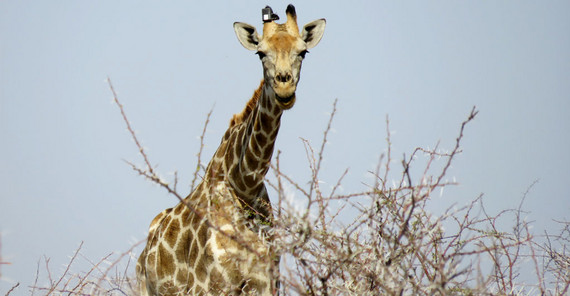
x=238, y=182
x=183, y=246
x=229, y=157
x=216, y=280
x=208, y=255
x=256, y=148
x=250, y=160
x=166, y=221
x=266, y=121
x=268, y=125
x=257, y=126
x=239, y=135
x=221, y=151
x=151, y=258
x=268, y=151
x=184, y=277
x=261, y=141
x=194, y=250
x=233, y=137
x=202, y=235
x=201, y=269
x=273, y=134
x=195, y=219
x=198, y=290
x=185, y=214
x=232, y=271
x=165, y=262
x=172, y=232
x=178, y=209
x=250, y=180
x=275, y=110
x=249, y=128
x=227, y=134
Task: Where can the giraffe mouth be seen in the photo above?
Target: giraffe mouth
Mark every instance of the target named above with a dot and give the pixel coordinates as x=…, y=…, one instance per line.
x=286, y=101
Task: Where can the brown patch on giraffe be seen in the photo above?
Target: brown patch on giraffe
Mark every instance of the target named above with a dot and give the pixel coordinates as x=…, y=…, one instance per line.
x=250, y=125
x=250, y=180
x=268, y=151
x=184, y=277
x=185, y=211
x=265, y=120
x=216, y=278
x=268, y=128
x=198, y=291
x=261, y=141
x=204, y=262
x=231, y=269
x=201, y=269
x=183, y=248
x=238, y=182
x=221, y=149
x=202, y=235
x=178, y=209
x=165, y=262
x=216, y=281
x=239, y=118
x=172, y=231
x=151, y=272
x=196, y=216
x=251, y=161
x=230, y=156
x=194, y=251
x=227, y=134
x=166, y=220
x=256, y=149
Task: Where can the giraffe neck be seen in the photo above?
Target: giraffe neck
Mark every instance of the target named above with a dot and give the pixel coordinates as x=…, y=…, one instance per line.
x=246, y=149
x=255, y=147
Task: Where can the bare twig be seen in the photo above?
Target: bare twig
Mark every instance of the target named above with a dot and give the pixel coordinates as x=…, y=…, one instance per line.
x=12, y=289
x=129, y=128
x=199, y=155
x=53, y=287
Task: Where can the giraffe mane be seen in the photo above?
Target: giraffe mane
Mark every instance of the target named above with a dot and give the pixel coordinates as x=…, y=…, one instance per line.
x=240, y=117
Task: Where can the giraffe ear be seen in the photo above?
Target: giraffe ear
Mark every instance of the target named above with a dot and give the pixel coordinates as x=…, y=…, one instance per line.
x=247, y=35
x=313, y=32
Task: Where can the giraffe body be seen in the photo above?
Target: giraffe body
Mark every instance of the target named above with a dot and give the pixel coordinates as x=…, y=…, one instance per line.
x=217, y=241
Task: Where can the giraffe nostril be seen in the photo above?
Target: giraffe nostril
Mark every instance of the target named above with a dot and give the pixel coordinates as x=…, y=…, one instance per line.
x=283, y=77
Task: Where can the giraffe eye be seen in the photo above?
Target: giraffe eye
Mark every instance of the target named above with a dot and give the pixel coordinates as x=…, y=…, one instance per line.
x=303, y=53
x=260, y=54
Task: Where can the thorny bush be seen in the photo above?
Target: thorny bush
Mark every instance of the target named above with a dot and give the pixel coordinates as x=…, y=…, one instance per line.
x=390, y=245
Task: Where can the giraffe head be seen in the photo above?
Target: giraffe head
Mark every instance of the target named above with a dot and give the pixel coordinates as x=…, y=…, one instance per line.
x=281, y=48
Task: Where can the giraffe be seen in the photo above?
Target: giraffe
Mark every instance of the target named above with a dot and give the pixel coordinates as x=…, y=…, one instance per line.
x=217, y=241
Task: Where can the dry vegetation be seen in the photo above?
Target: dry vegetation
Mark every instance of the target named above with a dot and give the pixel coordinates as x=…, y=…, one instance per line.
x=382, y=241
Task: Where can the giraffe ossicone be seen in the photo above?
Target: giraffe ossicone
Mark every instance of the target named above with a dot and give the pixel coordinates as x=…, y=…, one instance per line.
x=218, y=240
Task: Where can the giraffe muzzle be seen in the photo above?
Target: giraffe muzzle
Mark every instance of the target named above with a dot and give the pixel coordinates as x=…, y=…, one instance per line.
x=286, y=102
x=284, y=91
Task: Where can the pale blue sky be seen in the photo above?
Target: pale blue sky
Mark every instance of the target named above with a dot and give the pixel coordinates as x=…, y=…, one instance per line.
x=425, y=64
